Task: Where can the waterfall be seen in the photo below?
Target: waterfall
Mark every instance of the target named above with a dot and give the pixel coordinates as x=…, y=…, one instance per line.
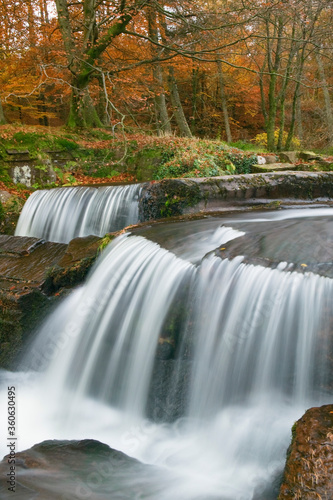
x=246, y=348
x=257, y=332
x=65, y=213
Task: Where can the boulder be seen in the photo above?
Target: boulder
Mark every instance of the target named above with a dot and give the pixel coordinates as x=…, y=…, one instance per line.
x=308, y=473
x=56, y=470
x=271, y=159
x=261, y=160
x=288, y=156
x=308, y=156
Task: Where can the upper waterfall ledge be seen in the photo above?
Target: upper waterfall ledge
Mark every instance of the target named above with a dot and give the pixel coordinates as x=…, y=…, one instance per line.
x=172, y=197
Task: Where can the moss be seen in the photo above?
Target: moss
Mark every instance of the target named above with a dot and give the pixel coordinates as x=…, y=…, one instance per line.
x=144, y=163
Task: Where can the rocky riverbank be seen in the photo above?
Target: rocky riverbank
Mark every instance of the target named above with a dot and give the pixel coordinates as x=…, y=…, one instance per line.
x=33, y=274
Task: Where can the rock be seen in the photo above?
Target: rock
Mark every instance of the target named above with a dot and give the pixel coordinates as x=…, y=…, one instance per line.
x=308, y=473
x=308, y=156
x=171, y=197
x=288, y=241
x=31, y=272
x=167, y=198
x=261, y=160
x=5, y=196
x=10, y=213
x=56, y=470
x=288, y=156
x=273, y=167
x=32, y=172
x=271, y=159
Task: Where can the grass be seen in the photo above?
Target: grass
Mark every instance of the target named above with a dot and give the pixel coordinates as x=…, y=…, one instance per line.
x=247, y=146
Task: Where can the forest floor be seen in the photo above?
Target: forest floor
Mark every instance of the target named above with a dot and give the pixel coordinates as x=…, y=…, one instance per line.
x=98, y=156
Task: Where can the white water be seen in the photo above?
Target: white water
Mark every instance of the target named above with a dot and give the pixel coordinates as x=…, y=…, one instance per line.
x=258, y=336
x=65, y=213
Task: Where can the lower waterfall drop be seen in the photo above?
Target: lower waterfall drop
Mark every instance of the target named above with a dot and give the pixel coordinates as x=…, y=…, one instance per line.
x=244, y=350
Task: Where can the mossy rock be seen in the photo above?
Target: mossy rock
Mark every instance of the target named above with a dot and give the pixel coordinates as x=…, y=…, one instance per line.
x=143, y=164
x=167, y=198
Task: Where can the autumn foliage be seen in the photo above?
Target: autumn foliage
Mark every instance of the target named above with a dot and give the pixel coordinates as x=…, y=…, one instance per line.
x=217, y=69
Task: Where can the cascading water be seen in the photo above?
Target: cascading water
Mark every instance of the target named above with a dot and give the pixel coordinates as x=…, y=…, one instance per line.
x=255, y=343
x=65, y=213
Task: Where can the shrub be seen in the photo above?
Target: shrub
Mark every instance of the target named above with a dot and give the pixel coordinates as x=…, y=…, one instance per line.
x=243, y=163
x=198, y=159
x=261, y=140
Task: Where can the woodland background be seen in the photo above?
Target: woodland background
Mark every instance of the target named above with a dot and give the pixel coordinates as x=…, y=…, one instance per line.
x=226, y=69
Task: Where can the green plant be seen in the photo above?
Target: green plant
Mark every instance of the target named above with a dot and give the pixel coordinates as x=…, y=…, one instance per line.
x=69, y=180
x=166, y=211
x=42, y=168
x=113, y=173
x=197, y=159
x=70, y=165
x=60, y=173
x=245, y=146
x=243, y=163
x=2, y=212
x=63, y=143
x=104, y=242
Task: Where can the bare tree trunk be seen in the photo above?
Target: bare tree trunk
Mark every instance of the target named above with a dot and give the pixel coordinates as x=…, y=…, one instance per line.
x=327, y=100
x=161, y=113
x=162, y=118
x=299, y=119
x=224, y=102
x=273, y=68
x=177, y=105
x=2, y=115
x=195, y=81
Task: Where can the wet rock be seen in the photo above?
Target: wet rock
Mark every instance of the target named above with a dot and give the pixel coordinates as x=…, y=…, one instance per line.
x=169, y=389
x=33, y=273
x=269, y=244
x=69, y=469
x=308, y=474
x=74, y=265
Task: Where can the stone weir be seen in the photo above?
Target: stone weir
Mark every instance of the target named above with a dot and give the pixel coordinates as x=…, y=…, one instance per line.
x=33, y=274
x=172, y=197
